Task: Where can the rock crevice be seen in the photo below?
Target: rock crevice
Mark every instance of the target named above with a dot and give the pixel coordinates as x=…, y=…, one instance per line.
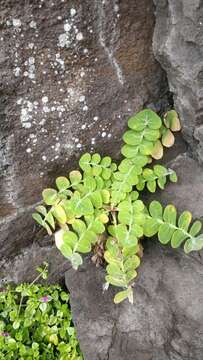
x=178, y=46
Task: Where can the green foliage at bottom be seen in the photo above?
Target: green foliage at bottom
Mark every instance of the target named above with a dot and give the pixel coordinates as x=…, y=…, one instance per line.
x=40, y=328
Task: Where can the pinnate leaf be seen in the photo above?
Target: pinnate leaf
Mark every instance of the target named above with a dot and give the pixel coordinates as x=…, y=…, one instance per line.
x=59, y=213
x=49, y=196
x=157, y=152
x=194, y=244
x=156, y=210
x=151, y=227
x=76, y=260
x=185, y=220
x=62, y=183
x=165, y=233
x=122, y=295
x=37, y=217
x=195, y=228
x=172, y=121
x=75, y=177
x=168, y=138
x=170, y=214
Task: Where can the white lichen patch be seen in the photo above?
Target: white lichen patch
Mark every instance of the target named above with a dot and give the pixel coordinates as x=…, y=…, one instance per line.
x=60, y=61
x=16, y=23
x=48, y=112
x=33, y=24
x=31, y=46
x=79, y=36
x=57, y=147
x=19, y=101
x=33, y=138
x=61, y=108
x=25, y=117
x=82, y=98
x=26, y=112
x=64, y=39
x=42, y=122
x=46, y=109
x=116, y=8
x=16, y=71
x=71, y=32
x=73, y=12
x=67, y=27
x=45, y=99
x=31, y=68
x=30, y=65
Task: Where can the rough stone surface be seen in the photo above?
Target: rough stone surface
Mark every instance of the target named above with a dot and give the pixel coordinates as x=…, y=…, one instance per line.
x=71, y=72
x=186, y=194
x=166, y=320
x=23, y=267
x=178, y=46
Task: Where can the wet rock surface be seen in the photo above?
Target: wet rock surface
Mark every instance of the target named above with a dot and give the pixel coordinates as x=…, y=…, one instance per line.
x=178, y=46
x=71, y=73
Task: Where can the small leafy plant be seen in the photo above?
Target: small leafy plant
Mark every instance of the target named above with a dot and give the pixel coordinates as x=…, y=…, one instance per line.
x=99, y=208
x=35, y=323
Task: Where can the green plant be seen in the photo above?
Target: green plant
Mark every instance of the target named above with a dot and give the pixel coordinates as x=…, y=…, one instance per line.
x=35, y=323
x=99, y=208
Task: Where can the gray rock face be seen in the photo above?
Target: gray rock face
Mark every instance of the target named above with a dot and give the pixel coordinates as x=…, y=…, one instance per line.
x=178, y=46
x=166, y=320
x=70, y=75
x=186, y=194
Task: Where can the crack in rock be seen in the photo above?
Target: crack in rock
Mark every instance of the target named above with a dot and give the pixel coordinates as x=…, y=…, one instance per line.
x=109, y=49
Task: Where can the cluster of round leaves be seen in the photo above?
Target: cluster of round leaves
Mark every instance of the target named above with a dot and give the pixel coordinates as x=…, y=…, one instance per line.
x=42, y=330
x=148, y=134
x=102, y=201
x=155, y=177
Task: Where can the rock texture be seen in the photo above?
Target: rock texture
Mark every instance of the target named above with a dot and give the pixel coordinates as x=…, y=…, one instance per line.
x=70, y=75
x=166, y=320
x=178, y=46
x=187, y=192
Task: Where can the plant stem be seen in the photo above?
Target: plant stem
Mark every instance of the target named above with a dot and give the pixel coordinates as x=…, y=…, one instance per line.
x=114, y=217
x=32, y=283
